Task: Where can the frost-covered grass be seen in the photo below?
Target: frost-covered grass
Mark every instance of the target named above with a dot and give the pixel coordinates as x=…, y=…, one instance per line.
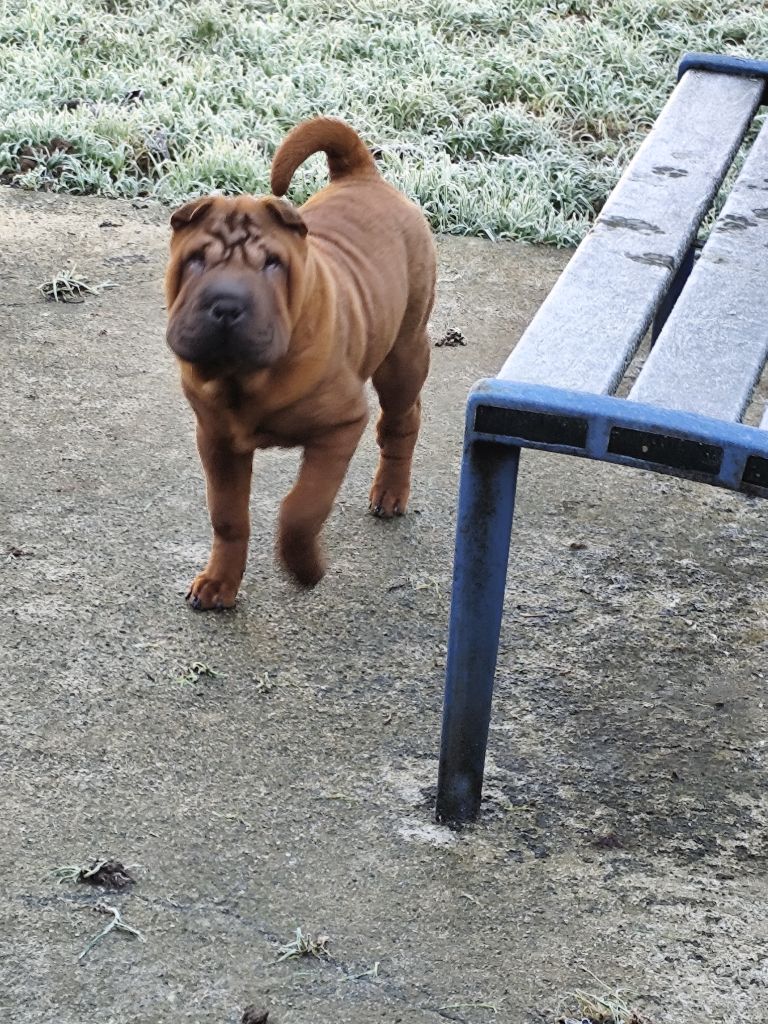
x=510, y=118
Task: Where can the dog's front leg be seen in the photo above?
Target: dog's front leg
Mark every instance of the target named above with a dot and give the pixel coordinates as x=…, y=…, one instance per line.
x=228, y=486
x=308, y=505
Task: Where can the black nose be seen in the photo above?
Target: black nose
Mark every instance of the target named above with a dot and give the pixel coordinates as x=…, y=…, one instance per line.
x=226, y=311
x=225, y=307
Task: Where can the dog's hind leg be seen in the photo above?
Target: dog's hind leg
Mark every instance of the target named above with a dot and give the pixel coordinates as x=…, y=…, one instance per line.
x=398, y=382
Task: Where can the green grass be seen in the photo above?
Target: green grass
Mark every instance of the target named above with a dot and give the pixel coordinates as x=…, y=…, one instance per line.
x=509, y=118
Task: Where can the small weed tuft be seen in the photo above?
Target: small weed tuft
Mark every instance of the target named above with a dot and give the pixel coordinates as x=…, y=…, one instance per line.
x=66, y=286
x=195, y=672
x=305, y=946
x=105, y=872
x=116, y=924
x=607, y=1008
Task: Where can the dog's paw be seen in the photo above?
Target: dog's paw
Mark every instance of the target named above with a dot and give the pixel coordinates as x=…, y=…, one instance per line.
x=302, y=558
x=385, y=502
x=210, y=593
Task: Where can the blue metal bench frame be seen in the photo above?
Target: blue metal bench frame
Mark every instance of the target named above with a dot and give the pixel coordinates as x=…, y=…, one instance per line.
x=504, y=416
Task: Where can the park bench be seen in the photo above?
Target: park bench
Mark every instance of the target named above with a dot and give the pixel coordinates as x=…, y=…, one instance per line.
x=635, y=271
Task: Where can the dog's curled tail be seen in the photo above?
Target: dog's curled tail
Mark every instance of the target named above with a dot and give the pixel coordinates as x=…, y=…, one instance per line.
x=346, y=151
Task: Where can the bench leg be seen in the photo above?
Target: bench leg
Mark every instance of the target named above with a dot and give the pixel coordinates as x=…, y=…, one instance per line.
x=486, y=508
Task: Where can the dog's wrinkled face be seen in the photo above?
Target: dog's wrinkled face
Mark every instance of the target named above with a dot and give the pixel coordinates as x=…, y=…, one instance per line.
x=228, y=284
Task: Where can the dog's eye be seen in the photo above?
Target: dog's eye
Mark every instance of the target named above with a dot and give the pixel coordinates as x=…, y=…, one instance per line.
x=195, y=262
x=272, y=262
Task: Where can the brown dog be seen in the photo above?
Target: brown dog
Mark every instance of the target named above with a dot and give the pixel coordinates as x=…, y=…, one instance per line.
x=278, y=316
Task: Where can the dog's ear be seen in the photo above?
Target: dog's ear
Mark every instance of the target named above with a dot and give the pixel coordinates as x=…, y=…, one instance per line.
x=192, y=211
x=287, y=215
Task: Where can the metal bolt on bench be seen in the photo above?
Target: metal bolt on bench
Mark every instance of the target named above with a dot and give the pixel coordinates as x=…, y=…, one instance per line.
x=634, y=271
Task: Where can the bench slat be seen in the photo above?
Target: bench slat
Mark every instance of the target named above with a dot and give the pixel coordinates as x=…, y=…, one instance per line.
x=590, y=326
x=713, y=347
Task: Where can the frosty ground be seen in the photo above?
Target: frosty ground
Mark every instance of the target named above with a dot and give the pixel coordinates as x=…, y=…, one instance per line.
x=622, y=843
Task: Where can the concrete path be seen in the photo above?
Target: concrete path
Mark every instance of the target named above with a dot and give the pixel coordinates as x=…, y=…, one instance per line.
x=624, y=831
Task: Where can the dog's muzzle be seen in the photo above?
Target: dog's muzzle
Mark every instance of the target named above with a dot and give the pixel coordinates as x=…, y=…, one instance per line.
x=225, y=325
x=224, y=306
